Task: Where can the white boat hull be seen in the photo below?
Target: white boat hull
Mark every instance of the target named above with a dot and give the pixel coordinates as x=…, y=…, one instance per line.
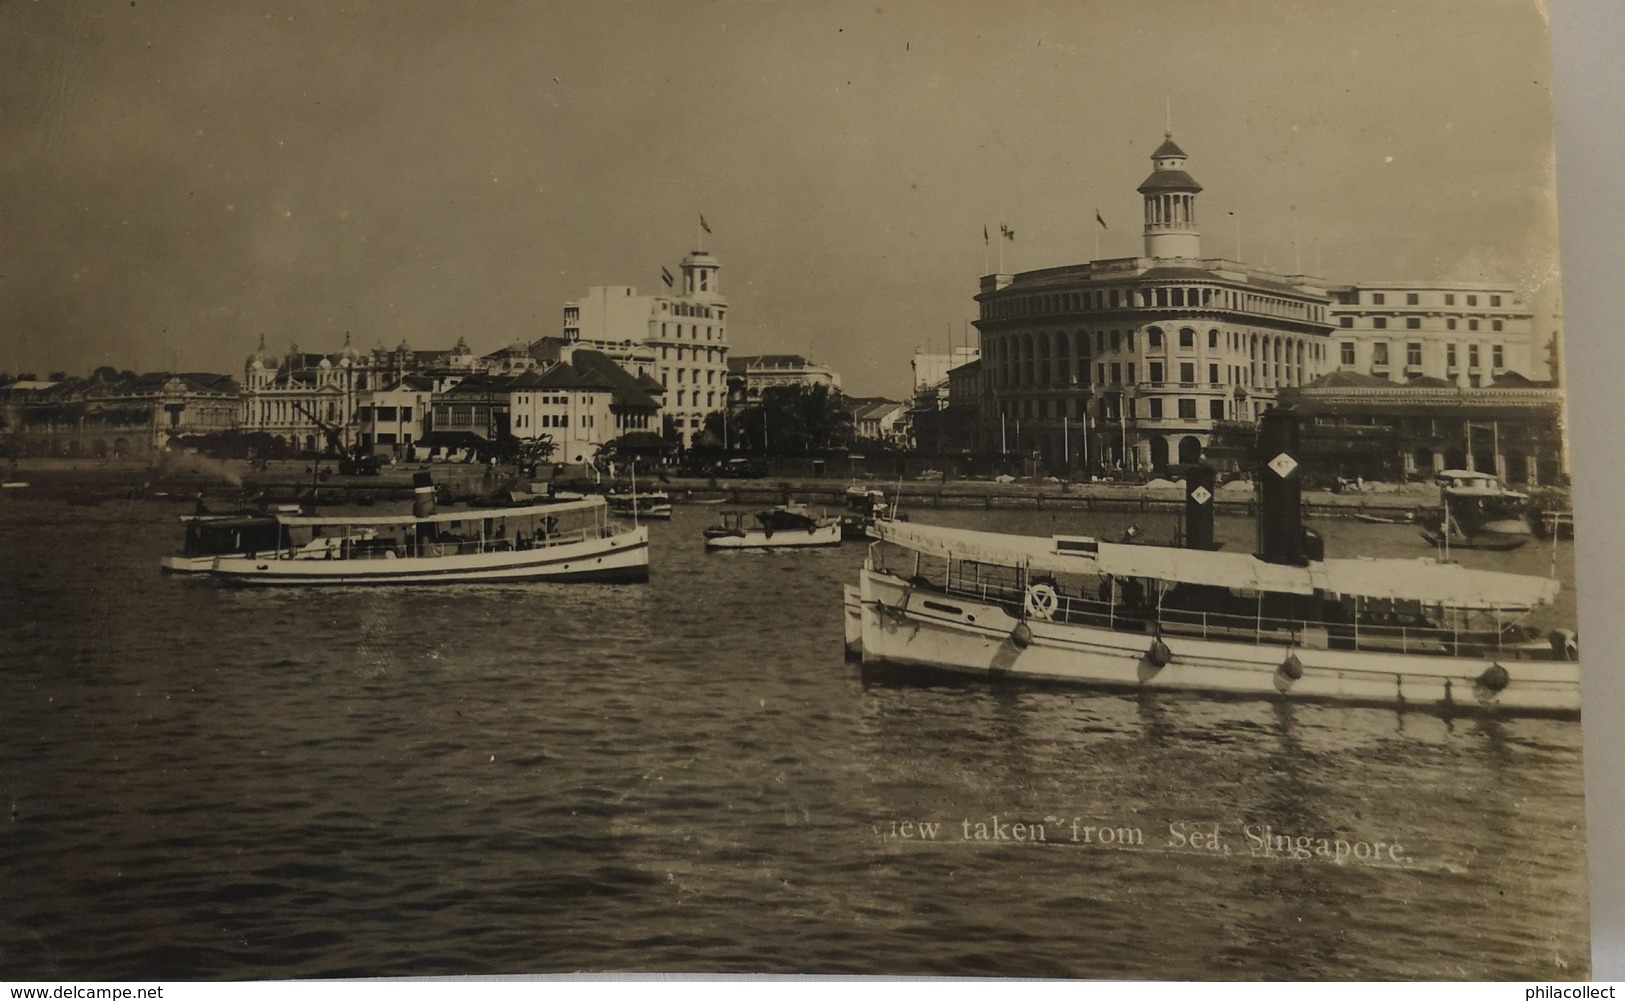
x=622, y=558
x=903, y=626
x=182, y=563
x=852, y=618
x=784, y=538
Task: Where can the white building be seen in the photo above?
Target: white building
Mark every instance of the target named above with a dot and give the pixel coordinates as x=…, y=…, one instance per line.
x=754, y=373
x=1466, y=334
x=390, y=420
x=931, y=369
x=680, y=338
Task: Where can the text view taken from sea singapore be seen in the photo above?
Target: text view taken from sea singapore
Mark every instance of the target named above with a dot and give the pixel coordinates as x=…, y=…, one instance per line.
x=885, y=533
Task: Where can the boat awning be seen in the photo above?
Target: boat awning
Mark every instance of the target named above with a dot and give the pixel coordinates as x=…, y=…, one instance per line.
x=1199, y=566
x=1422, y=580
x=462, y=514
x=1433, y=583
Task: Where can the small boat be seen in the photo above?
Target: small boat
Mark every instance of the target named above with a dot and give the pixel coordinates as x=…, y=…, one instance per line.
x=210, y=536
x=864, y=505
x=655, y=506
x=1408, y=518
x=561, y=541
x=1476, y=512
x=14, y=485
x=784, y=527
x=1286, y=623
x=1487, y=543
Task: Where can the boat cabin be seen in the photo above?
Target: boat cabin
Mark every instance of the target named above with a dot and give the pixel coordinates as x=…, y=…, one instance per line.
x=442, y=533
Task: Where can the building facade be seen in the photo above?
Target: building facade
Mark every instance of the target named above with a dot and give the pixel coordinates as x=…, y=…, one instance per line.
x=128, y=417
x=1467, y=335
x=1130, y=363
x=750, y=374
x=680, y=339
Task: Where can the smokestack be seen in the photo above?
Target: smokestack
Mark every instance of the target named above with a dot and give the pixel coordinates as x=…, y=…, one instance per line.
x=422, y=494
x=1280, y=478
x=1199, y=507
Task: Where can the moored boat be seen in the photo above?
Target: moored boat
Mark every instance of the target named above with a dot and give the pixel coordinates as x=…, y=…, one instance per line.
x=656, y=505
x=864, y=505
x=788, y=526
x=1284, y=623
x=562, y=541
x=1477, y=512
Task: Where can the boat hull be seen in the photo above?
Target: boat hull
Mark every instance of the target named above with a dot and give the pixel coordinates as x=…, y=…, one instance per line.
x=1490, y=543
x=623, y=558
x=852, y=620
x=788, y=538
x=180, y=563
x=902, y=626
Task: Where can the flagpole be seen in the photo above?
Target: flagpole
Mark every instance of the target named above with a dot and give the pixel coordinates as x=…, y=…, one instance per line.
x=1066, y=445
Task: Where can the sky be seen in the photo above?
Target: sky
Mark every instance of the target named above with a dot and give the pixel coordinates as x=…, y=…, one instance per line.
x=180, y=179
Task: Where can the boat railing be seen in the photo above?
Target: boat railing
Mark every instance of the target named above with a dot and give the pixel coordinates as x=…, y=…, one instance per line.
x=340, y=548
x=1416, y=636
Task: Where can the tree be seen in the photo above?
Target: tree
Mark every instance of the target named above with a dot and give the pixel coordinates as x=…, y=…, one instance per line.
x=530, y=453
x=788, y=419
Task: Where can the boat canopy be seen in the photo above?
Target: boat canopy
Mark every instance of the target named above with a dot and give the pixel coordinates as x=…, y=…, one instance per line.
x=592, y=503
x=1421, y=580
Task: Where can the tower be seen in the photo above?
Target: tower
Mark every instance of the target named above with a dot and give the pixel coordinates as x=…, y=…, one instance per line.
x=1170, y=205
x=700, y=282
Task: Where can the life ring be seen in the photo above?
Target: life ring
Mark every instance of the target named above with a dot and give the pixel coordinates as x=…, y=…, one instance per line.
x=1041, y=601
x=1292, y=667
x=1158, y=653
x=1495, y=678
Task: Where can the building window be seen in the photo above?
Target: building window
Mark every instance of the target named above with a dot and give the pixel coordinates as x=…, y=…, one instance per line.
x=1472, y=324
x=1155, y=405
x=1156, y=373
x=1378, y=299
x=1379, y=353
x=1472, y=356
x=1117, y=340
x=1346, y=353
x=1153, y=337
x=1215, y=409
x=1213, y=373
x=1450, y=298
x=1495, y=300
x=1187, y=338
x=1379, y=322
x=1495, y=325
x=1413, y=323
x=1413, y=353
x=1213, y=340
x=1117, y=373
x=1100, y=374
x=1450, y=324
x=1130, y=372
x=1450, y=356
x=1412, y=299
x=1497, y=357
x=1345, y=321
x=1187, y=408
x=1187, y=373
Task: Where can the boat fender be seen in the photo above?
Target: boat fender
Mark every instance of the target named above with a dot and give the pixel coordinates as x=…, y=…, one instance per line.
x=1158, y=653
x=1495, y=678
x=1022, y=635
x=1292, y=667
x=1565, y=644
x=1041, y=601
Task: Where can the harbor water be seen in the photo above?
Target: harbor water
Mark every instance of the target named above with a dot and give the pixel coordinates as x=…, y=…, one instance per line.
x=687, y=775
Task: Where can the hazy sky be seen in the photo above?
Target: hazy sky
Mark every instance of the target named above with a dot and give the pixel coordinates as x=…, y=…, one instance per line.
x=178, y=179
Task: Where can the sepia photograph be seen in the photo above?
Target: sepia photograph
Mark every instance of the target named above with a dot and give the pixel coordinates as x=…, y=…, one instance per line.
x=1049, y=489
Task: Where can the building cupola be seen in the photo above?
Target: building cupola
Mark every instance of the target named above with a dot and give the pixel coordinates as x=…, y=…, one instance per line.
x=700, y=276
x=1170, y=205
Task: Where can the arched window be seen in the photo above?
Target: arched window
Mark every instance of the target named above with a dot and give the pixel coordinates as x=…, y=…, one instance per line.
x=1187, y=337
x=1153, y=338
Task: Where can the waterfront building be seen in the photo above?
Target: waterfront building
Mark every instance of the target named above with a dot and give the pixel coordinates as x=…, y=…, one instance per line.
x=750, y=374
x=125, y=417
x=393, y=419
x=879, y=419
x=1358, y=424
x=1132, y=361
x=1466, y=334
x=931, y=368
x=679, y=339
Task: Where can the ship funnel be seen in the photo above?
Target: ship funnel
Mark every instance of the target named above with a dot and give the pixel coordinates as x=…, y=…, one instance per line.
x=422, y=494
x=1280, y=478
x=1199, y=507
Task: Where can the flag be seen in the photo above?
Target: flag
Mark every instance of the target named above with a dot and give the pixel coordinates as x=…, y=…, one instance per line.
x=984, y=233
x=1100, y=220
x=1009, y=234
x=703, y=225
x=666, y=277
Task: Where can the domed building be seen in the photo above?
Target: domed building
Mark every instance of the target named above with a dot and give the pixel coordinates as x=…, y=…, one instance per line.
x=1132, y=362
